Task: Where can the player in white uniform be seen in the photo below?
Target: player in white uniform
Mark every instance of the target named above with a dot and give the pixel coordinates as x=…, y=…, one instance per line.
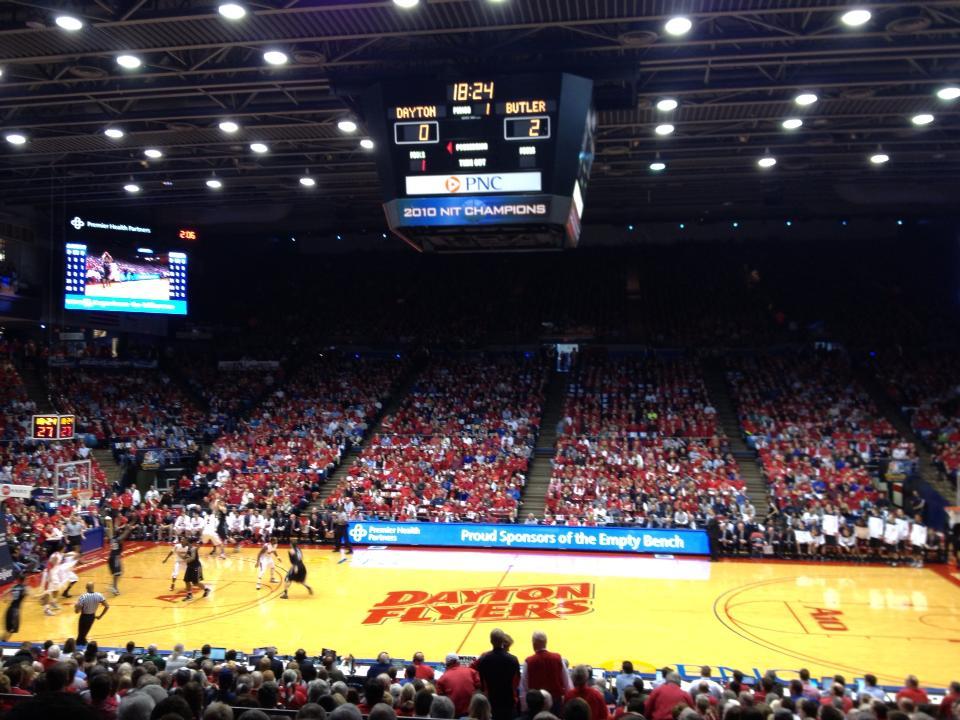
x=48, y=588
x=181, y=527
x=257, y=525
x=196, y=526
x=267, y=526
x=179, y=552
x=265, y=561
x=210, y=525
x=65, y=574
x=235, y=529
x=918, y=540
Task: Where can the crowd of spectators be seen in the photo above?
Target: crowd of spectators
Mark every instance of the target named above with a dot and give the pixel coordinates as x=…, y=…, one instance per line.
x=640, y=445
x=87, y=683
x=287, y=446
x=821, y=445
x=457, y=448
x=130, y=409
x=926, y=388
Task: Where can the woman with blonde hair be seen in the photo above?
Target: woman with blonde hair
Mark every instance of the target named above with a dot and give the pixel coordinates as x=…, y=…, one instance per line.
x=479, y=707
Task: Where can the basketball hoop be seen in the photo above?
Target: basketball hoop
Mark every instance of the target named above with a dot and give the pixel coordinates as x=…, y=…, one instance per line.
x=84, y=497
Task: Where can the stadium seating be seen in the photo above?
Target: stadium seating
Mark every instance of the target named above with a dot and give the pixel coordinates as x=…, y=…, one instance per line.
x=458, y=446
x=640, y=445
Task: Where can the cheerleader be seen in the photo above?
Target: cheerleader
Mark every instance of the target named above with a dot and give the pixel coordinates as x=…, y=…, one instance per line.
x=265, y=561
x=297, y=572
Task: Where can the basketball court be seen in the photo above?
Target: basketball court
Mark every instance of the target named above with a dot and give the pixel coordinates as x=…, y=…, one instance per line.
x=599, y=609
x=152, y=289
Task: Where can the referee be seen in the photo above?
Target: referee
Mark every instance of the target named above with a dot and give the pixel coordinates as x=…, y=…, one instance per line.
x=86, y=606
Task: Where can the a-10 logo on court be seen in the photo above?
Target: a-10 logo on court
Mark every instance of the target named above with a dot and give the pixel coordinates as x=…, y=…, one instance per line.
x=520, y=602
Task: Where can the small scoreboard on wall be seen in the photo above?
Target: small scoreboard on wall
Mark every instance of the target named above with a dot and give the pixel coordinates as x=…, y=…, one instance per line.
x=53, y=427
x=480, y=163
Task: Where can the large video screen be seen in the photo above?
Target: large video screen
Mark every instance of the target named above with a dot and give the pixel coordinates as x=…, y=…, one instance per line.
x=141, y=280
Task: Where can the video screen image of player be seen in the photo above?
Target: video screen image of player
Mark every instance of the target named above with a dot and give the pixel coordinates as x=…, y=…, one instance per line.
x=110, y=278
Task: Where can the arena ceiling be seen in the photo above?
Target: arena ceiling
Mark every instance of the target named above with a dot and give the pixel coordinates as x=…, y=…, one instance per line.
x=735, y=77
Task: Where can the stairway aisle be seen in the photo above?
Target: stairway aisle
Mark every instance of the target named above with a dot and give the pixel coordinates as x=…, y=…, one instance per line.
x=541, y=467
x=35, y=383
x=404, y=384
x=714, y=376
x=892, y=413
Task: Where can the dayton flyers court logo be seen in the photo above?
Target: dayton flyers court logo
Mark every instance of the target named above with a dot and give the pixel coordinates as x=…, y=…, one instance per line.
x=520, y=602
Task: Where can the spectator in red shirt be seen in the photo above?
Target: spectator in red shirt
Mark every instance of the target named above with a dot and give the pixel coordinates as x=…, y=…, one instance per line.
x=664, y=699
x=423, y=671
x=946, y=705
x=544, y=670
x=459, y=683
x=593, y=697
x=913, y=692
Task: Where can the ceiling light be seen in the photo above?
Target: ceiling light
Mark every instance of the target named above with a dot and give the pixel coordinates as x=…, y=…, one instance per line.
x=366, y=144
x=347, y=125
x=113, y=133
x=275, y=57
x=676, y=25
x=214, y=184
x=856, y=18
x=15, y=138
x=658, y=166
x=130, y=62
x=406, y=4
x=792, y=123
x=949, y=93
x=229, y=126
x=69, y=22
x=132, y=188
x=767, y=162
x=258, y=147
x=664, y=129
x=307, y=181
x=879, y=158
x=667, y=104
x=232, y=11
x=807, y=98
x=153, y=153
x=167, y=183
x=922, y=119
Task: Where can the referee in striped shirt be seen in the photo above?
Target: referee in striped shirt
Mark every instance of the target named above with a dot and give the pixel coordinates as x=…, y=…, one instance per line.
x=86, y=606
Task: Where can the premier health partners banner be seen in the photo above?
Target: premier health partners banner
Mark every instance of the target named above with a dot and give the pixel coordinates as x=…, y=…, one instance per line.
x=531, y=537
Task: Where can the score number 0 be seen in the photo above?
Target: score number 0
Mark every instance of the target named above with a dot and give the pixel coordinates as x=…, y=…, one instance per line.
x=416, y=133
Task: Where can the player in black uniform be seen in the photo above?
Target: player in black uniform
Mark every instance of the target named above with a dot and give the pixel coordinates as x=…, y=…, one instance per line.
x=297, y=572
x=116, y=552
x=194, y=575
x=12, y=617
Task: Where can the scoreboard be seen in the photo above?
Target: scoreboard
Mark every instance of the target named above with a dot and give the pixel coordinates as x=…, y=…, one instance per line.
x=484, y=162
x=53, y=427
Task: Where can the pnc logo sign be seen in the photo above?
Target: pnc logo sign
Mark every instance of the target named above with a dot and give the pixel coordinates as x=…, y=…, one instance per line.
x=473, y=183
x=520, y=602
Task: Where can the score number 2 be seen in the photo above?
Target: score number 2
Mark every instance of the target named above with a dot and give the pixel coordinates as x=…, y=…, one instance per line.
x=535, y=127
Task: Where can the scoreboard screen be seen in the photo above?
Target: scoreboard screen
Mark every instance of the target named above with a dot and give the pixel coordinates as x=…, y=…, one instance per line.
x=53, y=427
x=492, y=161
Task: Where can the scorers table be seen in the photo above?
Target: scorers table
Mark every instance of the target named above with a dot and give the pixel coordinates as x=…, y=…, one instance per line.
x=484, y=163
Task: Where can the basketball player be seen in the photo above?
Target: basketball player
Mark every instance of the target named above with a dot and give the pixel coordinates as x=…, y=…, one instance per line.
x=181, y=526
x=65, y=574
x=180, y=551
x=107, y=260
x=193, y=578
x=210, y=524
x=235, y=530
x=297, y=572
x=265, y=561
x=114, y=561
x=918, y=541
x=12, y=617
x=48, y=588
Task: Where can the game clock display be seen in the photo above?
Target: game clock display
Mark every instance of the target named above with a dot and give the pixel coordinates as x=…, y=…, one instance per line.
x=53, y=427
